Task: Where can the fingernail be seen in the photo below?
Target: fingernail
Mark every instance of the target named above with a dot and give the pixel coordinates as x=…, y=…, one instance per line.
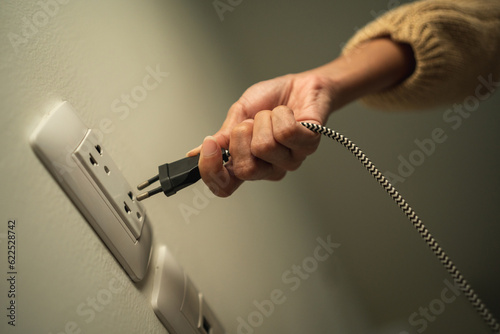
x=209, y=146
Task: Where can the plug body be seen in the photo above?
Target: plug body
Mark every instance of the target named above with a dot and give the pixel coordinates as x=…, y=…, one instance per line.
x=179, y=174
x=175, y=176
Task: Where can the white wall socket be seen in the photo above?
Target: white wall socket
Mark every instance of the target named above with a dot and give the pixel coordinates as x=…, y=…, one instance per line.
x=178, y=304
x=77, y=159
x=106, y=175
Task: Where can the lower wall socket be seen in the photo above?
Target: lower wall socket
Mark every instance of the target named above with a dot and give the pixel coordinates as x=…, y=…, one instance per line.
x=176, y=301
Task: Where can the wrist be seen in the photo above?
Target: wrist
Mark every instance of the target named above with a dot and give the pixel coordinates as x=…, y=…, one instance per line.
x=371, y=67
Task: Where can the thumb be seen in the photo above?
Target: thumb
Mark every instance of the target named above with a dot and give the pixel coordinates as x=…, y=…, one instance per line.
x=212, y=170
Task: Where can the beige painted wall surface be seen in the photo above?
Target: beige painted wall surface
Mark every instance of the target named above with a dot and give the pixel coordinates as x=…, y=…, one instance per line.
x=236, y=250
x=90, y=53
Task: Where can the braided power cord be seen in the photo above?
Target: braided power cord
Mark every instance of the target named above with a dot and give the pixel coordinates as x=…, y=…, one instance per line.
x=417, y=223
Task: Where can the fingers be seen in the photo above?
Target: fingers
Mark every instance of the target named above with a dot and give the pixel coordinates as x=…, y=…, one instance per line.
x=280, y=140
x=263, y=148
x=216, y=176
x=290, y=133
x=194, y=151
x=245, y=165
x=222, y=179
x=264, y=145
x=260, y=96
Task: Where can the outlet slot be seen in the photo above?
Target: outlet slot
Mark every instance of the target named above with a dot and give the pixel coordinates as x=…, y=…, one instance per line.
x=130, y=195
x=206, y=325
x=127, y=209
x=106, y=169
x=93, y=161
x=98, y=149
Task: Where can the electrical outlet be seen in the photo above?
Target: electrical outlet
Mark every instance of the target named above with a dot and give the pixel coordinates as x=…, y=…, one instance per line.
x=108, y=178
x=177, y=303
x=77, y=159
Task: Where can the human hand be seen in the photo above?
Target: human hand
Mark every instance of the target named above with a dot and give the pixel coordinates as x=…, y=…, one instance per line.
x=262, y=131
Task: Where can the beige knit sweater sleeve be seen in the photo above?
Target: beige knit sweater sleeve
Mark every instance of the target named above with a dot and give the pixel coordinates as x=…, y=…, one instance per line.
x=455, y=42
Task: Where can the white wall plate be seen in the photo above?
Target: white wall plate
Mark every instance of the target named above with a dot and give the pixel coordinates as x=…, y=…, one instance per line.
x=76, y=158
x=176, y=301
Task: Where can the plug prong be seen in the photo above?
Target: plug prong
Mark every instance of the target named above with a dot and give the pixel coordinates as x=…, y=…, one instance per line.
x=148, y=194
x=175, y=176
x=142, y=196
x=148, y=182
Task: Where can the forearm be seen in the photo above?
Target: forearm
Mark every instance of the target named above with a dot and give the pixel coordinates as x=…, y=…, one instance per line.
x=454, y=42
x=372, y=67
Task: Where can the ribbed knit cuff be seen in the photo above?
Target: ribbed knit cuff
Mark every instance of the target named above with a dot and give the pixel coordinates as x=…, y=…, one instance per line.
x=454, y=42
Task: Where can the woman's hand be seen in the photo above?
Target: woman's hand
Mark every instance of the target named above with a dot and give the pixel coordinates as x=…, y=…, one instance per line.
x=262, y=131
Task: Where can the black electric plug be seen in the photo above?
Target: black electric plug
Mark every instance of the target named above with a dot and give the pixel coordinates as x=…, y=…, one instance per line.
x=175, y=176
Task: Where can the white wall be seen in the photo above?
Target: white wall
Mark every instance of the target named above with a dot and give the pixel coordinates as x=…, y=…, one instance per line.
x=90, y=53
x=236, y=249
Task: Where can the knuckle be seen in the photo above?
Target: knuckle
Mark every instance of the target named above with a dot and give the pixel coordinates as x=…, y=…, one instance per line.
x=261, y=148
x=285, y=134
x=245, y=171
x=282, y=109
x=263, y=113
x=242, y=129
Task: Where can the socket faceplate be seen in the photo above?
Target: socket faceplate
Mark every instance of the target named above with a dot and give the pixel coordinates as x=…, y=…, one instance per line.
x=176, y=301
x=96, y=186
x=106, y=175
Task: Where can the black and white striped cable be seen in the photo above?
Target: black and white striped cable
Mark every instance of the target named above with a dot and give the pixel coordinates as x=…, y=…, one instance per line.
x=417, y=223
